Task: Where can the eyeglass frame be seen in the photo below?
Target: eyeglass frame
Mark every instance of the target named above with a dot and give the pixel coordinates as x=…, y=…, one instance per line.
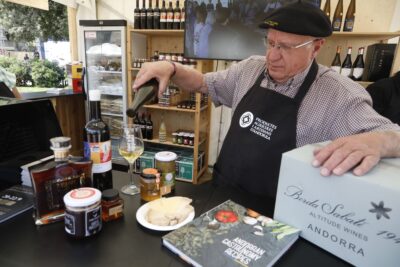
x=285, y=47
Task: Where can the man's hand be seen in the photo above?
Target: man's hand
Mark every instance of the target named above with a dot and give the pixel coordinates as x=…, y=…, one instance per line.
x=361, y=152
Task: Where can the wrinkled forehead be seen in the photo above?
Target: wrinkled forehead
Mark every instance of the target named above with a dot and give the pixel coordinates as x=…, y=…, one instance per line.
x=273, y=34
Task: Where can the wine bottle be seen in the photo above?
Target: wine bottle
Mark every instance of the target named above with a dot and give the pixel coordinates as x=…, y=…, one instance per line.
x=336, y=63
x=156, y=16
x=143, y=15
x=176, y=24
x=183, y=17
x=163, y=16
x=136, y=13
x=338, y=16
x=142, y=120
x=327, y=8
x=347, y=64
x=145, y=93
x=150, y=16
x=170, y=16
x=162, y=131
x=350, y=16
x=97, y=144
x=149, y=128
x=136, y=119
x=358, y=66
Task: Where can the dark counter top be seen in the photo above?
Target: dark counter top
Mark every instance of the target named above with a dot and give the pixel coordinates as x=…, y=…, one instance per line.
x=44, y=94
x=123, y=242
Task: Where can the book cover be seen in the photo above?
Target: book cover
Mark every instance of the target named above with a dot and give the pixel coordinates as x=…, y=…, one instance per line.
x=228, y=236
x=15, y=200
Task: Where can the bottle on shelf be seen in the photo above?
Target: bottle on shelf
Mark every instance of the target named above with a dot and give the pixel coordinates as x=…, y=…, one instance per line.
x=162, y=131
x=182, y=26
x=150, y=16
x=143, y=16
x=358, y=66
x=156, y=16
x=347, y=64
x=155, y=56
x=163, y=16
x=176, y=24
x=350, y=17
x=142, y=120
x=327, y=8
x=136, y=13
x=149, y=128
x=170, y=16
x=136, y=119
x=97, y=144
x=338, y=16
x=336, y=63
x=52, y=180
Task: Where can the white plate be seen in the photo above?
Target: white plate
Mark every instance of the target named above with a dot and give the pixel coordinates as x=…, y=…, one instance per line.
x=141, y=218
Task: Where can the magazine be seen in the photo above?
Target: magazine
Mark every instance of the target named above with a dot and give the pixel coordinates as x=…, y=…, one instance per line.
x=231, y=235
x=15, y=200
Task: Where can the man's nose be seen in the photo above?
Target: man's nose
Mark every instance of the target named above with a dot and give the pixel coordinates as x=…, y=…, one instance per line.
x=273, y=53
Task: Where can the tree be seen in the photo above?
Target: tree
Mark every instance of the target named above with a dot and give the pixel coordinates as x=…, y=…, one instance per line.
x=27, y=24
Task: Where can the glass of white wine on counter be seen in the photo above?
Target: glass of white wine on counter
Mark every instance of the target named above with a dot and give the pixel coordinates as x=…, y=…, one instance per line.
x=130, y=147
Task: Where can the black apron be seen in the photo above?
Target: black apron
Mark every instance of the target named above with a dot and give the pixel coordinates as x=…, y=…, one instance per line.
x=263, y=127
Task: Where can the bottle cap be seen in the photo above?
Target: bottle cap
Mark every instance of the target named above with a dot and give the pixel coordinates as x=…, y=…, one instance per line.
x=82, y=197
x=94, y=95
x=165, y=156
x=109, y=194
x=60, y=142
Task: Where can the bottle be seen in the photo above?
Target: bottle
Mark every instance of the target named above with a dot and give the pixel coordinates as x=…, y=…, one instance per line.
x=219, y=5
x=347, y=64
x=53, y=179
x=336, y=63
x=163, y=16
x=327, y=8
x=182, y=26
x=358, y=66
x=337, y=17
x=162, y=131
x=143, y=16
x=170, y=16
x=136, y=119
x=176, y=24
x=155, y=56
x=156, y=16
x=350, y=16
x=145, y=93
x=150, y=16
x=136, y=13
x=149, y=128
x=143, y=125
x=97, y=144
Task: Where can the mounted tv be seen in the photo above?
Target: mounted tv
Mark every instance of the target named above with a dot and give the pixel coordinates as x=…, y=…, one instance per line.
x=228, y=29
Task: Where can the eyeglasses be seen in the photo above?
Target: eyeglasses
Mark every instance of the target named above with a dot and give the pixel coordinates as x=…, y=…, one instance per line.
x=285, y=47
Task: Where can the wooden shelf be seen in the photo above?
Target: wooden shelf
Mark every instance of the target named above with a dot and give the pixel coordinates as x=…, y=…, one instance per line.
x=367, y=35
x=160, y=32
x=173, y=108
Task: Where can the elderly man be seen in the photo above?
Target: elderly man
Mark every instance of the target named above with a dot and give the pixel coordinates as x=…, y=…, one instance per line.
x=286, y=100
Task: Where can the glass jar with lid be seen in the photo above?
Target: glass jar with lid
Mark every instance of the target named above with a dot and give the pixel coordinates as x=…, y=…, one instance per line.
x=165, y=163
x=112, y=205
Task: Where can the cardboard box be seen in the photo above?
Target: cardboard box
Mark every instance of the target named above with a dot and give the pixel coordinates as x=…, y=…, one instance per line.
x=184, y=167
x=354, y=218
x=146, y=160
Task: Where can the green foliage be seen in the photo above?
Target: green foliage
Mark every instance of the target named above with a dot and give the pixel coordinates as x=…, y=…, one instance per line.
x=27, y=23
x=5, y=62
x=47, y=74
x=22, y=71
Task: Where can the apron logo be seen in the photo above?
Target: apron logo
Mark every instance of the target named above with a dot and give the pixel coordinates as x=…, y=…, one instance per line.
x=246, y=119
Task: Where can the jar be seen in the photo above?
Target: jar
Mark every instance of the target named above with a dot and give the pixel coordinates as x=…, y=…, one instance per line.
x=82, y=212
x=191, y=139
x=165, y=163
x=179, y=138
x=174, y=137
x=112, y=205
x=186, y=139
x=150, y=184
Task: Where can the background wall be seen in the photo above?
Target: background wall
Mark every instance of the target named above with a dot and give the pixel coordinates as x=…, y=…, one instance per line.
x=371, y=15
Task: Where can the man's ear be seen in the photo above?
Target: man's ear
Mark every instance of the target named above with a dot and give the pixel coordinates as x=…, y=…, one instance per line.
x=317, y=46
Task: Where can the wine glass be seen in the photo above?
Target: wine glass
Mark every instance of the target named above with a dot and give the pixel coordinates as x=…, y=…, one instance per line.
x=131, y=147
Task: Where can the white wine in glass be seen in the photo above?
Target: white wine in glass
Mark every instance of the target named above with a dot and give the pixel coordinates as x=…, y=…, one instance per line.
x=131, y=147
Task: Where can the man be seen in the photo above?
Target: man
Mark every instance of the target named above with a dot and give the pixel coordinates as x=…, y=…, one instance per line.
x=284, y=101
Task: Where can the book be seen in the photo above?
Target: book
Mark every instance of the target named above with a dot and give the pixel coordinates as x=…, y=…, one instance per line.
x=25, y=169
x=15, y=200
x=378, y=61
x=228, y=236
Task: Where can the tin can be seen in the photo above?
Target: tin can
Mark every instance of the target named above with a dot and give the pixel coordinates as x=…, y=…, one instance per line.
x=165, y=163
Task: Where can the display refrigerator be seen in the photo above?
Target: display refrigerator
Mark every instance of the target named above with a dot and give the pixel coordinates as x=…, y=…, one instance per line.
x=103, y=52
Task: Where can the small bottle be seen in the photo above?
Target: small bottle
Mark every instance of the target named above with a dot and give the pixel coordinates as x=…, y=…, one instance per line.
x=112, y=205
x=350, y=17
x=358, y=66
x=336, y=63
x=347, y=64
x=150, y=184
x=136, y=13
x=162, y=132
x=338, y=16
x=52, y=180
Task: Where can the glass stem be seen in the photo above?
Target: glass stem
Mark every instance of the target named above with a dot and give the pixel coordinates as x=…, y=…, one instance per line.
x=131, y=171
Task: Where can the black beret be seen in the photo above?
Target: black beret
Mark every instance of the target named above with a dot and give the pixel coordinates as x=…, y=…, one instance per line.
x=299, y=18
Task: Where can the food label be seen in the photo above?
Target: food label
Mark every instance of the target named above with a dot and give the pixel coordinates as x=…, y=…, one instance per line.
x=100, y=154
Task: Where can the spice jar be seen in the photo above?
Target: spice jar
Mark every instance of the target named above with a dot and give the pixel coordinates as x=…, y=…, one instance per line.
x=165, y=163
x=186, y=138
x=179, y=138
x=191, y=139
x=174, y=138
x=150, y=184
x=82, y=212
x=112, y=205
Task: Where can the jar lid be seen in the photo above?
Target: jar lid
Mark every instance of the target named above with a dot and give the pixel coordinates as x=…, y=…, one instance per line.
x=82, y=197
x=110, y=194
x=165, y=156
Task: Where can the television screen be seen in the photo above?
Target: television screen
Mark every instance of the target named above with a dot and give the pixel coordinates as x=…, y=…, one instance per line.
x=228, y=29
